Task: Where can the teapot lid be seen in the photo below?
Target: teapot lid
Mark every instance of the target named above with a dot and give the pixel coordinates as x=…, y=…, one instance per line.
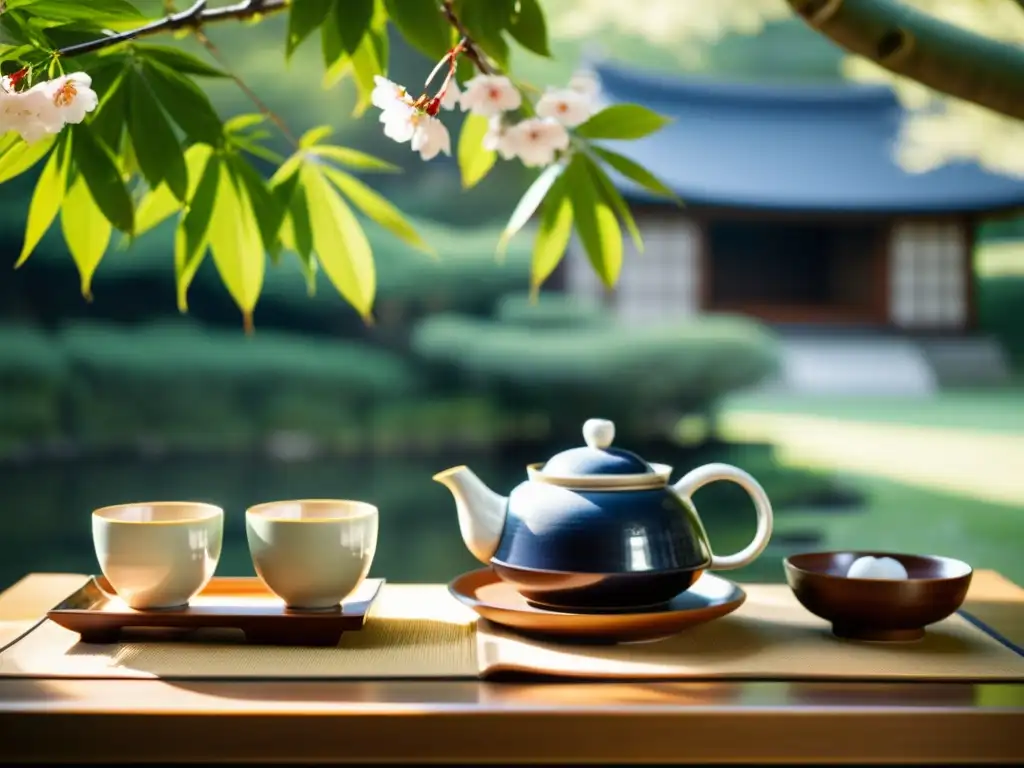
x=597, y=464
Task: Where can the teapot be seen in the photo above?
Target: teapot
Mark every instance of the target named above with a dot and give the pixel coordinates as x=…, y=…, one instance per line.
x=597, y=528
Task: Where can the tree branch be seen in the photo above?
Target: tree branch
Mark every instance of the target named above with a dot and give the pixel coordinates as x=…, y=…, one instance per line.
x=470, y=48
x=249, y=92
x=195, y=17
x=939, y=55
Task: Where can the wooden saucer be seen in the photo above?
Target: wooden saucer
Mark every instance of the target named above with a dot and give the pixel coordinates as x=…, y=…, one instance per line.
x=711, y=597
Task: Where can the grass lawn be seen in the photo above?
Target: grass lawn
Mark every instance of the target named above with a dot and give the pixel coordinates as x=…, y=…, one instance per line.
x=996, y=410
x=942, y=475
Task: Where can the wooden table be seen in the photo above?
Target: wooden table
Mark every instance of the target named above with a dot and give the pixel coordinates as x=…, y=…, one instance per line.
x=281, y=722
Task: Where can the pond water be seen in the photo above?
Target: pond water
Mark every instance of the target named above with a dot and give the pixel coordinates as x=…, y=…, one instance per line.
x=45, y=523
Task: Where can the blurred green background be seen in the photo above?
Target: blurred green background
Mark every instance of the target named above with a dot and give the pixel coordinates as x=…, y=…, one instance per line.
x=125, y=400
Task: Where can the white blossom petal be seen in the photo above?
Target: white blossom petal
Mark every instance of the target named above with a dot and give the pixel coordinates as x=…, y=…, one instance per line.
x=536, y=141
x=490, y=95
x=568, y=107
x=70, y=99
x=497, y=139
x=386, y=93
x=452, y=96
x=399, y=122
x=30, y=113
x=431, y=138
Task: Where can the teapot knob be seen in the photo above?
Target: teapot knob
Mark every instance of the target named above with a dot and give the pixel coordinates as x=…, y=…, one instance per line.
x=598, y=433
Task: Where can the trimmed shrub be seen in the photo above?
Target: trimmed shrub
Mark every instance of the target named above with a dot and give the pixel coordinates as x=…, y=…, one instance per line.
x=1001, y=312
x=32, y=378
x=639, y=377
x=551, y=311
x=184, y=384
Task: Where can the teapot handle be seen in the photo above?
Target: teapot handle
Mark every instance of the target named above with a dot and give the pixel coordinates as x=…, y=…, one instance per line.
x=709, y=473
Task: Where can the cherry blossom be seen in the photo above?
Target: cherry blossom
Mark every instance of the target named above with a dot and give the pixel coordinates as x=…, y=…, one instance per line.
x=567, y=106
x=22, y=112
x=496, y=139
x=426, y=134
x=71, y=98
x=490, y=95
x=536, y=140
x=452, y=97
x=430, y=137
x=399, y=121
x=46, y=107
x=387, y=94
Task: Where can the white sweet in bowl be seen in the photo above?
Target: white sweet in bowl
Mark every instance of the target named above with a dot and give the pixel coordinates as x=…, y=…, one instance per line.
x=877, y=568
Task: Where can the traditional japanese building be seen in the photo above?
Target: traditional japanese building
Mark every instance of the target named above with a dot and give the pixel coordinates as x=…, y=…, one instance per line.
x=796, y=212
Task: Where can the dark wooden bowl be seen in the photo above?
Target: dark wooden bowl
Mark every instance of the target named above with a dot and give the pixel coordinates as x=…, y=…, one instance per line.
x=884, y=610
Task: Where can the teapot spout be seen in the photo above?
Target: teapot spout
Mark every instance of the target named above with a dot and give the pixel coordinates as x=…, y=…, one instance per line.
x=481, y=511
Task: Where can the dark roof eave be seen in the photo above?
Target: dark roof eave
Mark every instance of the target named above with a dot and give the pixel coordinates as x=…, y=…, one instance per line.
x=737, y=208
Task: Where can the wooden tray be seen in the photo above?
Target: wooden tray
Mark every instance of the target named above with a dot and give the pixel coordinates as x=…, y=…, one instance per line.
x=96, y=613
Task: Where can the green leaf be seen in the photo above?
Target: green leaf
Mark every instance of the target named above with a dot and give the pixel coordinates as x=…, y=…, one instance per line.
x=178, y=60
x=186, y=102
x=353, y=18
x=19, y=156
x=353, y=158
x=282, y=190
x=236, y=243
x=340, y=243
x=192, y=235
x=614, y=199
x=335, y=73
x=636, y=172
x=529, y=28
x=46, y=199
x=242, y=123
x=422, y=24
x=552, y=235
x=365, y=66
x=622, y=121
x=595, y=223
x=376, y=207
x=528, y=204
x=98, y=167
x=304, y=16
x=86, y=230
x=302, y=230
x=288, y=168
x=378, y=36
x=296, y=234
x=314, y=136
x=330, y=38
x=475, y=162
x=485, y=20
x=110, y=119
x=159, y=203
x=155, y=207
x=268, y=213
x=157, y=149
x=92, y=11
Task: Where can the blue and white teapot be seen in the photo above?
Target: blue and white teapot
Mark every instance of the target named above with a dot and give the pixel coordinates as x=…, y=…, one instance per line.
x=599, y=528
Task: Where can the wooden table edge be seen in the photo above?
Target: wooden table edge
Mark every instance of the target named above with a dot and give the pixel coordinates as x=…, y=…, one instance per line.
x=477, y=722
x=626, y=736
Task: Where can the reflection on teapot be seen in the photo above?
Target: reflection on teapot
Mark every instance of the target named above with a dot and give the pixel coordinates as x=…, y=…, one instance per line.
x=599, y=528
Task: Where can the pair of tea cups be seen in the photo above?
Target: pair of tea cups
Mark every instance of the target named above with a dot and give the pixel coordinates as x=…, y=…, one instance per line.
x=310, y=553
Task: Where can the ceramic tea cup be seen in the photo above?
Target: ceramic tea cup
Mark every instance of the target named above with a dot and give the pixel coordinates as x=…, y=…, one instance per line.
x=312, y=553
x=158, y=554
